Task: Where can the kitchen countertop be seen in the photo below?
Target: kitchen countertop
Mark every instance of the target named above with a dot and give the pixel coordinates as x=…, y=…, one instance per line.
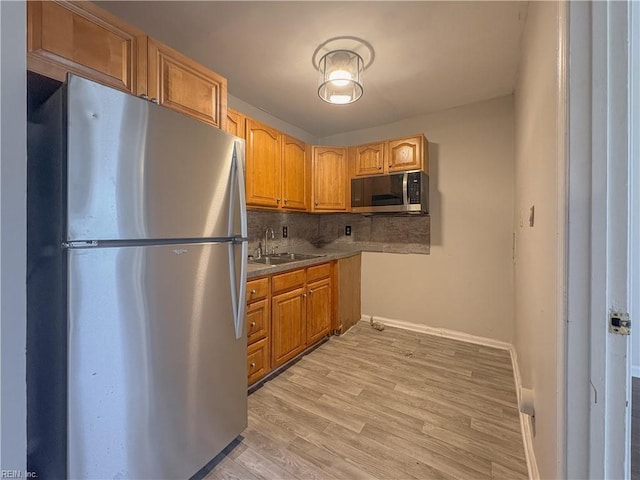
x=255, y=270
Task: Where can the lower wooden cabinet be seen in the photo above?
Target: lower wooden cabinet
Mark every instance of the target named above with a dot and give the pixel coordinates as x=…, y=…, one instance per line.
x=257, y=360
x=288, y=336
x=258, y=321
x=286, y=313
x=319, y=309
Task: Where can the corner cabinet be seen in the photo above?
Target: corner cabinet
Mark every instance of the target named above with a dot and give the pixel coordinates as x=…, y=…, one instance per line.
x=277, y=168
x=294, y=173
x=235, y=123
x=329, y=170
x=263, y=161
x=83, y=39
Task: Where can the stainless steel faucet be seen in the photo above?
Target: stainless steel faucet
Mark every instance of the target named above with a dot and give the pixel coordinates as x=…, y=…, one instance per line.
x=266, y=239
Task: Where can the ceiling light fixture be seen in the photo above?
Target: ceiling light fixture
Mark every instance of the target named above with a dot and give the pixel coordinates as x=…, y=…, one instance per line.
x=340, y=80
x=340, y=62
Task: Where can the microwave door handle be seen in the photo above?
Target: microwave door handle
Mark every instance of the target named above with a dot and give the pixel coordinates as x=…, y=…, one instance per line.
x=405, y=189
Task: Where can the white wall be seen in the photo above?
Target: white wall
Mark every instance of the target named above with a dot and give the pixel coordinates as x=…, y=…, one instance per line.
x=536, y=326
x=466, y=282
x=13, y=156
x=262, y=116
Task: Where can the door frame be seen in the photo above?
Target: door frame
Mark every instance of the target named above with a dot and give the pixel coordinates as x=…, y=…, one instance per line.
x=597, y=240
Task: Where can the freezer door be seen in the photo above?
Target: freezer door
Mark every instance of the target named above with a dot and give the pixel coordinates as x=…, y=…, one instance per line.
x=157, y=376
x=140, y=171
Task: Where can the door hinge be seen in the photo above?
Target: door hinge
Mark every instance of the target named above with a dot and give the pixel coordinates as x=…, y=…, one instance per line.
x=619, y=323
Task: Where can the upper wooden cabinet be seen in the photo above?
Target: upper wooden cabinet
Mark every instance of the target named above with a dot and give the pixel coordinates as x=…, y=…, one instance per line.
x=294, y=174
x=179, y=83
x=369, y=159
x=276, y=166
x=330, y=180
x=83, y=39
x=407, y=154
x=397, y=155
x=235, y=123
x=263, y=162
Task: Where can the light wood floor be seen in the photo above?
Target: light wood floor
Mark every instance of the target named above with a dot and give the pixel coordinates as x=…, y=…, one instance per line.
x=384, y=405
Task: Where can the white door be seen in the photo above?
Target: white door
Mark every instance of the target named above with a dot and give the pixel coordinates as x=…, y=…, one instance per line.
x=599, y=243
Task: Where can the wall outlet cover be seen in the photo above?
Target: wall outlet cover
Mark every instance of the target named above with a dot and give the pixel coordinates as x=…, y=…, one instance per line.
x=347, y=230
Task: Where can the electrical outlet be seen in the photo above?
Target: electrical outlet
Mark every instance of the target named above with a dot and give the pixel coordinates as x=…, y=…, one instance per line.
x=285, y=232
x=347, y=230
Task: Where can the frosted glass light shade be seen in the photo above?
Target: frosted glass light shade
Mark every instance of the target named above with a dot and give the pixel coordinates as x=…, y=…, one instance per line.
x=340, y=77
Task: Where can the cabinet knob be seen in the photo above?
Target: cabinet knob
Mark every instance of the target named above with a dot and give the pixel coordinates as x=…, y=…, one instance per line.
x=304, y=295
x=154, y=100
x=253, y=292
x=277, y=200
x=310, y=291
x=285, y=201
x=144, y=96
x=253, y=365
x=253, y=324
x=380, y=167
x=316, y=204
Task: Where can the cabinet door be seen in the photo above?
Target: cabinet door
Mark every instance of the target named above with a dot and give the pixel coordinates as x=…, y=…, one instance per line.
x=257, y=360
x=235, y=123
x=263, y=161
x=257, y=321
x=406, y=154
x=288, y=332
x=369, y=159
x=83, y=39
x=179, y=83
x=329, y=173
x=319, y=310
x=294, y=170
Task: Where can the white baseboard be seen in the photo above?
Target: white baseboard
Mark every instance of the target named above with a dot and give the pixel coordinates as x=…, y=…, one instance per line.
x=440, y=332
x=525, y=420
x=635, y=371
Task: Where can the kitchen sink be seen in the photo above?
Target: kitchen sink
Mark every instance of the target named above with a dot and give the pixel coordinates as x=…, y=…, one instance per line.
x=280, y=258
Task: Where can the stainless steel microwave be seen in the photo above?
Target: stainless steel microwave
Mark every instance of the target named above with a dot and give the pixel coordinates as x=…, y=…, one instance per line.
x=405, y=192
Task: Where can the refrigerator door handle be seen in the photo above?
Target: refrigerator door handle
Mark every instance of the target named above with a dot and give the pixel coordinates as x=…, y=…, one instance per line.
x=237, y=189
x=238, y=286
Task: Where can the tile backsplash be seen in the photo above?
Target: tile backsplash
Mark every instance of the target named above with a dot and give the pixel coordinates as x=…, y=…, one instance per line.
x=375, y=233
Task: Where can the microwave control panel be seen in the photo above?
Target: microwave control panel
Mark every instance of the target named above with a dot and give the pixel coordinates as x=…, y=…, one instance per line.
x=413, y=187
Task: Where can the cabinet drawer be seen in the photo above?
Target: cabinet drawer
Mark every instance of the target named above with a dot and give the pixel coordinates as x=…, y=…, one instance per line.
x=257, y=361
x=257, y=321
x=318, y=271
x=287, y=281
x=257, y=289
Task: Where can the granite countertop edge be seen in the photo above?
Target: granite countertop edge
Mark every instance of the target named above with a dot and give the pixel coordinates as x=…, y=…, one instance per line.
x=255, y=270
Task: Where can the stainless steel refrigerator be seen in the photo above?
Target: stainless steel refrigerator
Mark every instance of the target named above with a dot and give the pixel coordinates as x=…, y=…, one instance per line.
x=136, y=261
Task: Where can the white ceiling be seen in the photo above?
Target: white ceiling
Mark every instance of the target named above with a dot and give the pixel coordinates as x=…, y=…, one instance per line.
x=429, y=56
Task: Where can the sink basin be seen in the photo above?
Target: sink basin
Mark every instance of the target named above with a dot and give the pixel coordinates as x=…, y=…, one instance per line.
x=270, y=260
x=294, y=256
x=280, y=258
